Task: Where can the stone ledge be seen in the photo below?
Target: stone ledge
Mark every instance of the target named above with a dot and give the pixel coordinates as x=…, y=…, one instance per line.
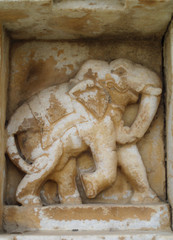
x=87, y=217
x=88, y=235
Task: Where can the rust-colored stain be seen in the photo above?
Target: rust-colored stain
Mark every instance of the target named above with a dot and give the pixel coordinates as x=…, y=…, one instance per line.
x=90, y=75
x=29, y=222
x=12, y=15
x=56, y=110
x=70, y=66
x=46, y=4
x=98, y=213
x=80, y=25
x=122, y=238
x=151, y=2
x=60, y=52
x=33, y=76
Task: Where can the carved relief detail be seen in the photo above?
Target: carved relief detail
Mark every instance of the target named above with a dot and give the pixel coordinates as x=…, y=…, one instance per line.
x=50, y=130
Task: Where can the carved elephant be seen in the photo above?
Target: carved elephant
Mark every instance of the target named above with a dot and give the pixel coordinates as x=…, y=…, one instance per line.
x=86, y=113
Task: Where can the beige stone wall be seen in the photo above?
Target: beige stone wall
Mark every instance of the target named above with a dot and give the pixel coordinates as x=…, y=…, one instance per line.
x=71, y=19
x=3, y=100
x=36, y=65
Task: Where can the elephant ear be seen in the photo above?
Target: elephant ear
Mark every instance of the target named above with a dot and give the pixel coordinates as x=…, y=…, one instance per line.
x=92, y=96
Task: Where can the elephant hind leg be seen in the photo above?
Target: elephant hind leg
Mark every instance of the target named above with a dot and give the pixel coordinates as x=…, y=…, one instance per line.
x=101, y=138
x=66, y=180
x=28, y=191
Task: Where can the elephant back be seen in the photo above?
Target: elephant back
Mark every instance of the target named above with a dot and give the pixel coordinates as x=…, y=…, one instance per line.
x=50, y=105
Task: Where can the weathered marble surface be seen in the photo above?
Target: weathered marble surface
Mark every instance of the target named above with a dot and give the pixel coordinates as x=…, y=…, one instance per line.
x=52, y=19
x=90, y=217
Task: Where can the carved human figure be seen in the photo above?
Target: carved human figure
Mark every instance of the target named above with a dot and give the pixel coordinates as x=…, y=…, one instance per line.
x=85, y=113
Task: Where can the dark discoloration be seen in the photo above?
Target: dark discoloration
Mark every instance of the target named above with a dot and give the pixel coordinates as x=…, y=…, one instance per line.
x=151, y=3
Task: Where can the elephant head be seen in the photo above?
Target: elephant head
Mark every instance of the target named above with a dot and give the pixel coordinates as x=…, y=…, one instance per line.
x=99, y=84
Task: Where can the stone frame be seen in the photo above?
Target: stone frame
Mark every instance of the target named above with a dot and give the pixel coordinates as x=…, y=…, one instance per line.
x=168, y=71
x=4, y=46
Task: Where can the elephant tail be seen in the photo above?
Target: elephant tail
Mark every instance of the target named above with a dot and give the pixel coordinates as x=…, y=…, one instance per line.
x=15, y=125
x=14, y=155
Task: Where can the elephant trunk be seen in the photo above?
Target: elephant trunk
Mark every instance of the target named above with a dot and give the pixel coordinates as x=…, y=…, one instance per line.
x=14, y=155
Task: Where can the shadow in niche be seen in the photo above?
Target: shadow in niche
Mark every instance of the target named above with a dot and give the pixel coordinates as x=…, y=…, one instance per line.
x=57, y=1
x=49, y=193
x=13, y=178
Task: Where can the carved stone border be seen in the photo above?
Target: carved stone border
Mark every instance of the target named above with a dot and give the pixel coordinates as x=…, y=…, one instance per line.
x=4, y=53
x=168, y=70
x=168, y=63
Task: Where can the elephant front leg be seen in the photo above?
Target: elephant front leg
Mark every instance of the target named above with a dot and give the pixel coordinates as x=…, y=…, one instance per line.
x=106, y=167
x=130, y=161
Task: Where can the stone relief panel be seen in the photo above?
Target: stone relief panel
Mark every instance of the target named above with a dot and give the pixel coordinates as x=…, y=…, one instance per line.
x=89, y=139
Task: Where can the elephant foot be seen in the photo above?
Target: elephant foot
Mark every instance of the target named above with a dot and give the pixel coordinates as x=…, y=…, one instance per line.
x=144, y=197
x=89, y=186
x=72, y=200
x=30, y=200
